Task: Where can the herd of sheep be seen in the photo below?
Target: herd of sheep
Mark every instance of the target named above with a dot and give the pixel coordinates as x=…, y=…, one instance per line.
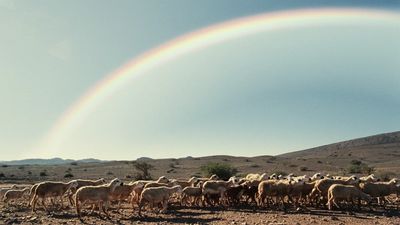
x=260, y=190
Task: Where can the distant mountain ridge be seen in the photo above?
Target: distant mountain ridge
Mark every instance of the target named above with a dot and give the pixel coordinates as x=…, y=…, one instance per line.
x=365, y=147
x=391, y=140
x=52, y=161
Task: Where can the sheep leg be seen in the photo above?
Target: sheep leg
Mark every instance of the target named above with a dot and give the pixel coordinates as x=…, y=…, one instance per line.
x=77, y=207
x=119, y=205
x=33, y=202
x=140, y=207
x=335, y=203
x=70, y=198
x=164, y=206
x=44, y=205
x=105, y=210
x=62, y=203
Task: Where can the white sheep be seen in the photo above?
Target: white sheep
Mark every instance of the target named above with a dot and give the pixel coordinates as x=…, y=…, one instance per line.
x=82, y=183
x=156, y=195
x=321, y=186
x=380, y=189
x=51, y=189
x=12, y=195
x=216, y=187
x=99, y=195
x=5, y=189
x=345, y=192
x=193, y=193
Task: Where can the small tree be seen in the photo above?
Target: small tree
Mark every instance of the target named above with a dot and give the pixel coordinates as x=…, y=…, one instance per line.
x=223, y=171
x=143, y=169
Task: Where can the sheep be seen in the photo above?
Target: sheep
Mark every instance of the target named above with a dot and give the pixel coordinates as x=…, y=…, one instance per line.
x=184, y=183
x=51, y=189
x=122, y=193
x=380, y=189
x=32, y=193
x=156, y=195
x=137, y=190
x=278, y=188
x=345, y=192
x=82, y=183
x=96, y=194
x=234, y=193
x=321, y=186
x=5, y=189
x=162, y=179
x=15, y=194
x=269, y=188
x=214, y=177
x=191, y=192
x=250, y=189
x=274, y=176
x=158, y=185
x=301, y=192
x=253, y=176
x=316, y=176
x=215, y=187
x=369, y=178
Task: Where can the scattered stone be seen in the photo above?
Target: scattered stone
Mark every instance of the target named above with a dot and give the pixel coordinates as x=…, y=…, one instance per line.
x=12, y=221
x=334, y=218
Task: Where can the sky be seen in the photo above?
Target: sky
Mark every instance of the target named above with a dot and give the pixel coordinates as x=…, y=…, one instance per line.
x=262, y=94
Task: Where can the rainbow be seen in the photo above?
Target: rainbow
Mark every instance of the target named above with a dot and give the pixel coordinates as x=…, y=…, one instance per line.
x=193, y=41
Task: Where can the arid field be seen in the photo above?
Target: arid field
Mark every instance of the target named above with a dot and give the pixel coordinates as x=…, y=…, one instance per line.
x=377, y=154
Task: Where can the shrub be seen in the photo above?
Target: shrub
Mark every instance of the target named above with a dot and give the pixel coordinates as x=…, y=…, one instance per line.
x=223, y=171
x=109, y=173
x=2, y=175
x=43, y=174
x=361, y=168
x=303, y=168
x=74, y=163
x=68, y=175
x=4, y=165
x=21, y=167
x=293, y=165
x=355, y=162
x=319, y=161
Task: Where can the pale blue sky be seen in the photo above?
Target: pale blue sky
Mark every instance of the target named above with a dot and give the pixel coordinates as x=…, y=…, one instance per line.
x=264, y=94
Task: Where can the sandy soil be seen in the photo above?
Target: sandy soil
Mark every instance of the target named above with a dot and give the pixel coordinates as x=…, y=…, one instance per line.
x=20, y=214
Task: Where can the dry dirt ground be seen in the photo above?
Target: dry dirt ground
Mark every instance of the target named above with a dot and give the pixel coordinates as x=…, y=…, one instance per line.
x=21, y=214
